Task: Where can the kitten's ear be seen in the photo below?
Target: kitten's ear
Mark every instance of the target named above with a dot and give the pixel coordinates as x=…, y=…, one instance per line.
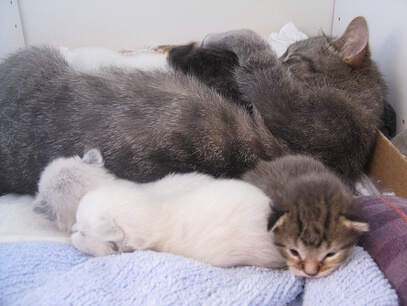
x=114, y=235
x=277, y=218
x=358, y=226
x=108, y=230
x=93, y=157
x=353, y=44
x=353, y=219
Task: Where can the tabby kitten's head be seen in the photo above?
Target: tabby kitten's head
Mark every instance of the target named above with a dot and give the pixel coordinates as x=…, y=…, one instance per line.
x=315, y=224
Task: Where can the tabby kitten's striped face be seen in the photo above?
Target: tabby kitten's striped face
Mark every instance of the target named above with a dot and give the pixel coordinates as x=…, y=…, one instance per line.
x=317, y=232
x=315, y=261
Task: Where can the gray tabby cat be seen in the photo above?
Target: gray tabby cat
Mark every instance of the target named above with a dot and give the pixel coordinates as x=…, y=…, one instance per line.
x=323, y=98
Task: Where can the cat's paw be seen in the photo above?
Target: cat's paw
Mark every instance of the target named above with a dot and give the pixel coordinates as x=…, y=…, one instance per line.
x=41, y=206
x=61, y=216
x=242, y=42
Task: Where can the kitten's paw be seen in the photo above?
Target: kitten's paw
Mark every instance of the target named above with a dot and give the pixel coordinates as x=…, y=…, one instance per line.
x=42, y=207
x=63, y=218
x=242, y=42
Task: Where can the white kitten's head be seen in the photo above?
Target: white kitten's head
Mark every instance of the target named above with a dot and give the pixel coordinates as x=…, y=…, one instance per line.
x=114, y=218
x=63, y=183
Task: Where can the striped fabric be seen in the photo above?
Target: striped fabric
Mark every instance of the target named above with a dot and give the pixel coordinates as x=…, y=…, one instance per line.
x=386, y=240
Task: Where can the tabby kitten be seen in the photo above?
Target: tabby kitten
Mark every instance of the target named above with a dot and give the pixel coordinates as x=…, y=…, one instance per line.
x=315, y=222
x=324, y=98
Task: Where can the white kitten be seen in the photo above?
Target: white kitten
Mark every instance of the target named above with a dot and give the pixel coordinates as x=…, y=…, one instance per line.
x=222, y=222
x=64, y=182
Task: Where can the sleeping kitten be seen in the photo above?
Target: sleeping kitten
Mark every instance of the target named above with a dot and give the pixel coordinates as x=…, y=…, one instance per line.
x=64, y=182
x=222, y=222
x=211, y=66
x=315, y=222
x=324, y=98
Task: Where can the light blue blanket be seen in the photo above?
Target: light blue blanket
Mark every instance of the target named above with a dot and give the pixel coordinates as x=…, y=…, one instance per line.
x=50, y=273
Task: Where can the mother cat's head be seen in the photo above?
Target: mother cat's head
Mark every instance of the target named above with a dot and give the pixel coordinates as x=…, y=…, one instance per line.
x=332, y=58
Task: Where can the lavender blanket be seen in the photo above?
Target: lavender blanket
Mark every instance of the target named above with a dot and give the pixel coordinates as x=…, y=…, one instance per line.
x=52, y=273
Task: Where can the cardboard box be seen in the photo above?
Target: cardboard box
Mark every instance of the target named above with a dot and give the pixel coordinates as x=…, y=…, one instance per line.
x=388, y=167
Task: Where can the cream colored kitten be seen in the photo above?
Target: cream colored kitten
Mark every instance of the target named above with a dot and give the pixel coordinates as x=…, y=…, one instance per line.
x=222, y=222
x=63, y=183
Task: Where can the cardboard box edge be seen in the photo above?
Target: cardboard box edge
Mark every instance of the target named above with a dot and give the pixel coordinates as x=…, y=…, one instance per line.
x=388, y=167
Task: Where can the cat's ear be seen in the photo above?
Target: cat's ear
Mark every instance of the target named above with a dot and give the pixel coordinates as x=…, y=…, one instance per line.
x=353, y=219
x=108, y=230
x=115, y=236
x=93, y=157
x=358, y=226
x=353, y=44
x=276, y=218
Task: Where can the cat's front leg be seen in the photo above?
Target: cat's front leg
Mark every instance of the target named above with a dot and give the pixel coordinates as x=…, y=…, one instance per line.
x=244, y=43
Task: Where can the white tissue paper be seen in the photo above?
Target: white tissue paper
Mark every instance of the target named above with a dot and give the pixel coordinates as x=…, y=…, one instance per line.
x=287, y=35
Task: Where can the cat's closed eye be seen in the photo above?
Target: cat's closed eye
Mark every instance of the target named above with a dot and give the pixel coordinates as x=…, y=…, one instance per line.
x=294, y=253
x=292, y=59
x=113, y=245
x=330, y=254
x=301, y=63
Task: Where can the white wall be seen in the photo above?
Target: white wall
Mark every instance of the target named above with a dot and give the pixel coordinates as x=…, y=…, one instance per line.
x=128, y=24
x=11, y=31
x=388, y=40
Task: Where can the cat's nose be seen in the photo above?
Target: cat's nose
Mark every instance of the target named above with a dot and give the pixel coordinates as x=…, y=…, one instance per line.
x=311, y=269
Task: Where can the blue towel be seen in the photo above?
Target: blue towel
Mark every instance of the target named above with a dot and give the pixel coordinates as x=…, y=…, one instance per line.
x=358, y=282
x=50, y=273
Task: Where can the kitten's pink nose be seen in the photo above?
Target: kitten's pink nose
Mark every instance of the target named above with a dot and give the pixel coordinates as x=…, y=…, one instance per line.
x=311, y=268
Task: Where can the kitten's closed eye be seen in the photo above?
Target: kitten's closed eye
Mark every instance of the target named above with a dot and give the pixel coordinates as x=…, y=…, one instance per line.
x=294, y=253
x=330, y=254
x=113, y=245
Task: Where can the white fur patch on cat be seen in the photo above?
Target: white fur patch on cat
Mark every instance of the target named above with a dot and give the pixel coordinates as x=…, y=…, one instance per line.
x=93, y=59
